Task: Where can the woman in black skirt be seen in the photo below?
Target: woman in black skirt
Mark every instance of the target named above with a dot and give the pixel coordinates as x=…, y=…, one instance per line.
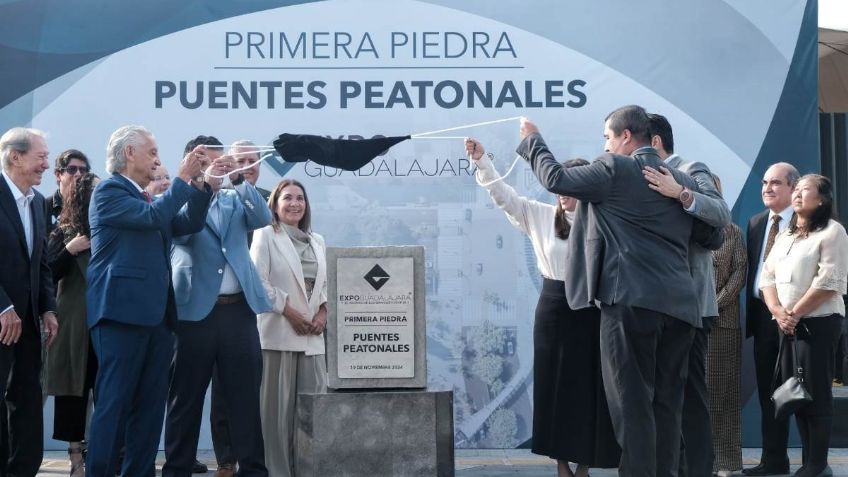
x=571, y=422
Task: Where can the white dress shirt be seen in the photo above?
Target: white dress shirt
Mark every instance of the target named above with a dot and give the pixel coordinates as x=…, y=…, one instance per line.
x=785, y=217
x=534, y=218
x=24, y=203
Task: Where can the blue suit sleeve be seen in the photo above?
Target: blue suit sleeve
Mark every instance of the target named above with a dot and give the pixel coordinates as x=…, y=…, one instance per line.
x=256, y=211
x=191, y=218
x=116, y=208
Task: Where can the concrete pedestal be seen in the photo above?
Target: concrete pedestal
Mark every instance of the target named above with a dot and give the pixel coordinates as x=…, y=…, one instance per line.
x=370, y=434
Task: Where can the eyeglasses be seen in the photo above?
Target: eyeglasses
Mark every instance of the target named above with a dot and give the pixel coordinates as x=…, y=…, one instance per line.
x=73, y=170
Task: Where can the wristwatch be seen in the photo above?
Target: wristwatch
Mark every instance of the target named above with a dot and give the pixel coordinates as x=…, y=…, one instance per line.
x=685, y=196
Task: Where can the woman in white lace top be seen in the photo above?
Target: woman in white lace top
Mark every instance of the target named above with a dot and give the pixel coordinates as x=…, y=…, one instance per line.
x=803, y=280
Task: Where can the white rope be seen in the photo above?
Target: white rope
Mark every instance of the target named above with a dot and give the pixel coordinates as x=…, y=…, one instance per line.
x=416, y=136
x=271, y=148
x=514, y=162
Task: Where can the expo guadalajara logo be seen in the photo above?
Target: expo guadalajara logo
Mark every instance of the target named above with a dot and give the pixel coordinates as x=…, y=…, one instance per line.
x=376, y=277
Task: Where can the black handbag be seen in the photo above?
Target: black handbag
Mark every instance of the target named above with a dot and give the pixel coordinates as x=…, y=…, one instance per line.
x=792, y=394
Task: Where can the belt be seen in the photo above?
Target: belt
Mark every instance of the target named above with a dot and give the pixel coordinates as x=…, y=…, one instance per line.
x=230, y=299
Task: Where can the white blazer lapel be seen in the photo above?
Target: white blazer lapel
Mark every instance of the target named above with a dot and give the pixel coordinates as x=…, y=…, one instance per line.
x=320, y=277
x=286, y=247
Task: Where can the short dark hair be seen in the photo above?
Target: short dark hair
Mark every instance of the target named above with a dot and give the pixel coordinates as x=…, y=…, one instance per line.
x=561, y=226
x=633, y=118
x=305, y=223
x=659, y=126
x=823, y=213
x=201, y=141
x=63, y=159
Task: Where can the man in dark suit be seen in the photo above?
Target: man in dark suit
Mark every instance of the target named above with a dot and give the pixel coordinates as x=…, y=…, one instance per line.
x=26, y=296
x=130, y=299
x=778, y=183
x=636, y=268
x=708, y=205
x=246, y=154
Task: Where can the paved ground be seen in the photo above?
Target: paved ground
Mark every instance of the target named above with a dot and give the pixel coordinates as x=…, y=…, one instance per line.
x=486, y=463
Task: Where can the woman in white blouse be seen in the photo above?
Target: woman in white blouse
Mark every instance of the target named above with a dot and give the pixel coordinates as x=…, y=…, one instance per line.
x=571, y=422
x=802, y=282
x=290, y=259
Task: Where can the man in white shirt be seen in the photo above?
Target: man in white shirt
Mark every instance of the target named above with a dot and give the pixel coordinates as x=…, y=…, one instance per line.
x=26, y=296
x=778, y=183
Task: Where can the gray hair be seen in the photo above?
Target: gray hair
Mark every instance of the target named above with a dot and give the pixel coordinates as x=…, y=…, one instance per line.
x=243, y=144
x=17, y=139
x=116, y=159
x=792, y=175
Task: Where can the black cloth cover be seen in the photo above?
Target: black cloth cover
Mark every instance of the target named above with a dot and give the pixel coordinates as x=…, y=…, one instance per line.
x=347, y=154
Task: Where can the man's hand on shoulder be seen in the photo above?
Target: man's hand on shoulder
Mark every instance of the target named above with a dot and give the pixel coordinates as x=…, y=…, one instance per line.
x=662, y=181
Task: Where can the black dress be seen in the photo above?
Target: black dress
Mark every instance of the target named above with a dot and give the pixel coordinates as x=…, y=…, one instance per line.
x=571, y=420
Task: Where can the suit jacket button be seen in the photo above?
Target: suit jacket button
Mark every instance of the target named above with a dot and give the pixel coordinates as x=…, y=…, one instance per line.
x=220, y=271
x=224, y=249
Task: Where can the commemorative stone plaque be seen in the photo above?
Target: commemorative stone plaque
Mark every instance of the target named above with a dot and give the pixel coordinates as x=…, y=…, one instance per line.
x=376, y=333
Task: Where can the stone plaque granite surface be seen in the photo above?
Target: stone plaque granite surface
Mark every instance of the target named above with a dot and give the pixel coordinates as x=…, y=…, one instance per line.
x=375, y=434
x=376, y=332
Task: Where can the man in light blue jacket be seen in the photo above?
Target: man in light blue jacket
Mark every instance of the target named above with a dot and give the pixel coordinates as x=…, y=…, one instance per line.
x=218, y=295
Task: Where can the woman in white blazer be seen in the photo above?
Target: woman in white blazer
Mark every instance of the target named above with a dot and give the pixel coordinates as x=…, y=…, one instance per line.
x=291, y=261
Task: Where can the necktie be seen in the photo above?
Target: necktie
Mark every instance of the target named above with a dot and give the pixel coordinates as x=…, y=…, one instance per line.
x=149, y=200
x=772, y=235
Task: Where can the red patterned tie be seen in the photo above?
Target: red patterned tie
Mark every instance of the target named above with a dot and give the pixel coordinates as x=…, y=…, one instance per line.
x=146, y=196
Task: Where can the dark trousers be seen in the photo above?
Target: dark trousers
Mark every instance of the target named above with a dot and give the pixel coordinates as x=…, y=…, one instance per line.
x=228, y=340
x=696, y=458
x=69, y=412
x=220, y=423
x=816, y=339
x=644, y=363
x=22, y=430
x=130, y=392
x=841, y=361
x=766, y=346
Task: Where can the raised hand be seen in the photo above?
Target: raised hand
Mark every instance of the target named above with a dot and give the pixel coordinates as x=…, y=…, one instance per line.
x=527, y=128
x=193, y=164
x=474, y=148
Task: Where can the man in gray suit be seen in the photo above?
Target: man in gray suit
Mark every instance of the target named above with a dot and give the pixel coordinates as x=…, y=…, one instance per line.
x=632, y=262
x=708, y=206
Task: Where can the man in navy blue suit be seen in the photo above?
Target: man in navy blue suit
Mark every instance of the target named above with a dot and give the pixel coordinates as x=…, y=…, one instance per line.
x=130, y=299
x=219, y=293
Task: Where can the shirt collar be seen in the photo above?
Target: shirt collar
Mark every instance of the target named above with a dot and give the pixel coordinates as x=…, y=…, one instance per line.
x=18, y=194
x=669, y=158
x=140, y=189
x=785, y=215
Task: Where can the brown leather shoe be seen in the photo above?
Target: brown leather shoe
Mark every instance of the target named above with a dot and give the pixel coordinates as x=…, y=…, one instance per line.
x=225, y=470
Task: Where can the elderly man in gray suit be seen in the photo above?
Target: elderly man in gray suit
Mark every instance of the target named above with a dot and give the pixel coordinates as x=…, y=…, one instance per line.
x=709, y=206
x=628, y=254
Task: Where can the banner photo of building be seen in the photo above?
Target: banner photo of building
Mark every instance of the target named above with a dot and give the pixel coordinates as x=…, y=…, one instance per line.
x=736, y=79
